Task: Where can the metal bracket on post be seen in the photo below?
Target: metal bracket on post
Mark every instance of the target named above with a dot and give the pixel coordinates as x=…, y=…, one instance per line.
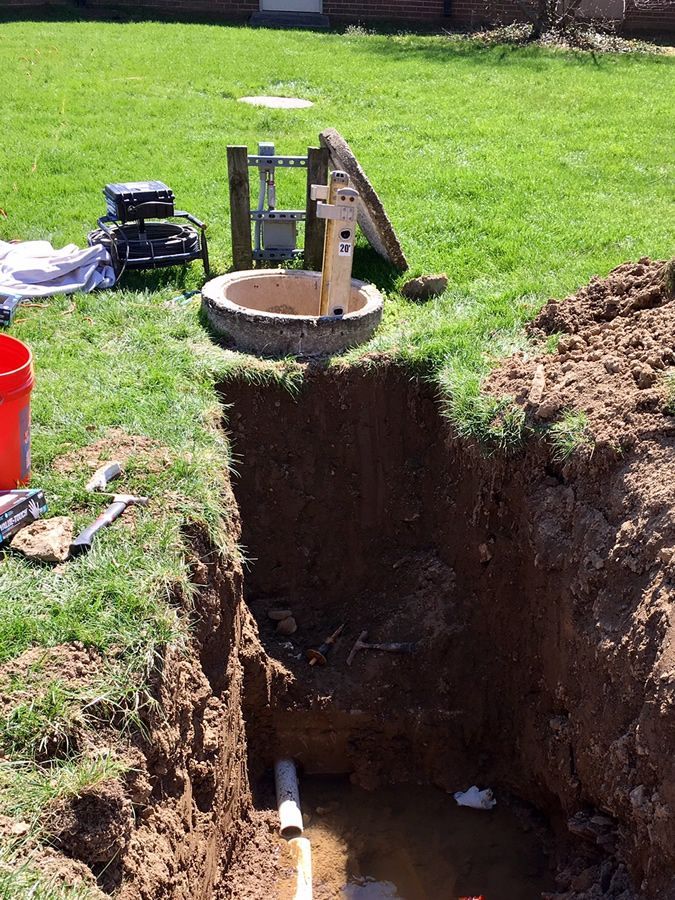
x=275, y=230
x=340, y=214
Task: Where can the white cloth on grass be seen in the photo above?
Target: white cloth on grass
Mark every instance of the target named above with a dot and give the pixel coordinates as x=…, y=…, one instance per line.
x=36, y=269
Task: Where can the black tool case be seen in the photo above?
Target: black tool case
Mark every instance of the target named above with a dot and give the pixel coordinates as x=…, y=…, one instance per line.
x=134, y=200
x=135, y=241
x=19, y=508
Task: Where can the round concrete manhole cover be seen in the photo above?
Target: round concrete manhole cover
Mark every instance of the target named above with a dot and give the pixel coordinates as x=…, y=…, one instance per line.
x=277, y=102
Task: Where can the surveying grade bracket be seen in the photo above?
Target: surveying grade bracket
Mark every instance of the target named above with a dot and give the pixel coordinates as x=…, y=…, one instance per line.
x=338, y=213
x=319, y=192
x=289, y=162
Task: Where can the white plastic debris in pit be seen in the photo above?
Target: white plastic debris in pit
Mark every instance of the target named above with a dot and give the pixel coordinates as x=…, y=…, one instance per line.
x=475, y=798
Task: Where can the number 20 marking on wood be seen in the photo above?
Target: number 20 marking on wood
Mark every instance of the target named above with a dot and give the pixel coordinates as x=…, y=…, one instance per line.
x=345, y=248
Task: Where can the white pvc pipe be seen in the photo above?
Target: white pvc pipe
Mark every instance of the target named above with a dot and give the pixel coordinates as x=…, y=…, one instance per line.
x=288, y=798
x=302, y=851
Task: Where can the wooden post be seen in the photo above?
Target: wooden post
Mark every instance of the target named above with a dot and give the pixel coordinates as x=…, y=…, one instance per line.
x=317, y=173
x=240, y=207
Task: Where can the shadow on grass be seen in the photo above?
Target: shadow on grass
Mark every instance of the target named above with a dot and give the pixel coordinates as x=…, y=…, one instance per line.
x=179, y=278
x=443, y=49
x=369, y=266
x=80, y=12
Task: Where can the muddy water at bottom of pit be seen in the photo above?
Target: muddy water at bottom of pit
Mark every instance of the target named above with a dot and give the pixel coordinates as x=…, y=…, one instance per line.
x=415, y=843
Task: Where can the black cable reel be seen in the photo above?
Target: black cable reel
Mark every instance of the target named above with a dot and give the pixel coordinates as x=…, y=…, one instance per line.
x=135, y=243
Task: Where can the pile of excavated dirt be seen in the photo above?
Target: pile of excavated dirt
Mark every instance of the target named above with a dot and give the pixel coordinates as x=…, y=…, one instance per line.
x=615, y=345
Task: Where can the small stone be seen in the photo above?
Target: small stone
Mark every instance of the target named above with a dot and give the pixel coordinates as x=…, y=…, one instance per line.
x=20, y=828
x=200, y=573
x=47, y=540
x=644, y=376
x=330, y=807
x=278, y=615
x=612, y=364
x=666, y=555
x=485, y=553
x=548, y=408
x=287, y=626
x=538, y=385
x=585, y=880
x=569, y=342
x=425, y=287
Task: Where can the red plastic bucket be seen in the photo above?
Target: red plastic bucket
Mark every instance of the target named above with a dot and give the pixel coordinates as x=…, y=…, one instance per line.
x=16, y=383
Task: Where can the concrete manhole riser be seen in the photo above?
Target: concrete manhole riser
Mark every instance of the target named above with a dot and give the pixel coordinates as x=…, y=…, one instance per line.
x=273, y=313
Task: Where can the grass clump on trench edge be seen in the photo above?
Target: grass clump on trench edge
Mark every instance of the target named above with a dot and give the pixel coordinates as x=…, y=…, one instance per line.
x=670, y=395
x=501, y=166
x=570, y=434
x=497, y=423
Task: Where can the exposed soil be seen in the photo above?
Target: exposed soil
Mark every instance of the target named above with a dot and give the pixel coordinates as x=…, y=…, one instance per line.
x=414, y=842
x=615, y=348
x=118, y=445
x=538, y=593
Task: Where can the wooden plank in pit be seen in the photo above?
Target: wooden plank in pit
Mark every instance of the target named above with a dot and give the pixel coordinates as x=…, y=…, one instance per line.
x=373, y=220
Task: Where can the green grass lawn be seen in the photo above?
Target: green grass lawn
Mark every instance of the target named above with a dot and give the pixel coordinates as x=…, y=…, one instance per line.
x=519, y=172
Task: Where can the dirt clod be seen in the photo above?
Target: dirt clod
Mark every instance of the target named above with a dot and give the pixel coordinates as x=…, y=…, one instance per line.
x=46, y=540
x=425, y=287
x=615, y=344
x=287, y=626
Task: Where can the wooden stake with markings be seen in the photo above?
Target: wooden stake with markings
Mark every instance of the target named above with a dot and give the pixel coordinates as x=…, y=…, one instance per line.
x=338, y=249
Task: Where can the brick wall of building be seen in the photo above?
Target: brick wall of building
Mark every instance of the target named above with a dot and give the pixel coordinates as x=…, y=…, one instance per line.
x=655, y=18
x=650, y=17
x=448, y=13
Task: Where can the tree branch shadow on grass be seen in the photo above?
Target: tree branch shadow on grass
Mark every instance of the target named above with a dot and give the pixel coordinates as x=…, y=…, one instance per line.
x=434, y=49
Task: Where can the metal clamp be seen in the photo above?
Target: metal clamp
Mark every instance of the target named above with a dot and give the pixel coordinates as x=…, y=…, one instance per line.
x=286, y=162
x=343, y=210
x=339, y=213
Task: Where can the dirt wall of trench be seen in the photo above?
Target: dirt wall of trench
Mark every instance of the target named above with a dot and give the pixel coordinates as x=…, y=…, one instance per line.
x=535, y=593
x=168, y=828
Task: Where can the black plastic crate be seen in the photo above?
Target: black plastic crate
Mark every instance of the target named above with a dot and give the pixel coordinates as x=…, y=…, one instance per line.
x=134, y=200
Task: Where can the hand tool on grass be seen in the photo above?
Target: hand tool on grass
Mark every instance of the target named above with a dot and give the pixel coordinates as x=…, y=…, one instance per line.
x=318, y=657
x=8, y=308
x=82, y=543
x=390, y=647
x=103, y=476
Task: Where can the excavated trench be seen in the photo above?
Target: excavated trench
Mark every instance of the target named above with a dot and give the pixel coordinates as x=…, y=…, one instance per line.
x=538, y=594
x=359, y=507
